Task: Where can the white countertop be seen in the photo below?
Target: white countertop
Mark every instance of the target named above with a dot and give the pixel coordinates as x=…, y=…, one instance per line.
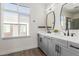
x=74, y=39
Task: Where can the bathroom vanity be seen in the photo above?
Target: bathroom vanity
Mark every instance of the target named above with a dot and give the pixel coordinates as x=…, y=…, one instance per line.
x=56, y=45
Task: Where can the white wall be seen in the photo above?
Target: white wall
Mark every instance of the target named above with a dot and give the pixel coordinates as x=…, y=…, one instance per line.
x=18, y=44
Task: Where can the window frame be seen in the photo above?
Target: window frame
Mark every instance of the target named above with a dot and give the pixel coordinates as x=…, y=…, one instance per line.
x=1, y=16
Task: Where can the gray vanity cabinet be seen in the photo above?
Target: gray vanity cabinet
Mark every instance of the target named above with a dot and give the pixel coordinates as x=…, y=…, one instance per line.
x=51, y=47
x=74, y=47
x=57, y=47
x=40, y=43
x=67, y=52
x=60, y=47
x=62, y=51
x=45, y=45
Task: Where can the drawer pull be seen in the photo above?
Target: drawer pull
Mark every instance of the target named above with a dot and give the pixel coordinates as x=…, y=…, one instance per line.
x=40, y=39
x=74, y=47
x=57, y=48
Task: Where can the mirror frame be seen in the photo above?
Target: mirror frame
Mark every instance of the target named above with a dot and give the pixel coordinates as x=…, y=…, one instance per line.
x=47, y=19
x=61, y=14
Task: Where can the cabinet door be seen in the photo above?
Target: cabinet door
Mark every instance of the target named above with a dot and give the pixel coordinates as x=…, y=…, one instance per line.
x=67, y=52
x=51, y=47
x=45, y=45
x=40, y=38
x=57, y=48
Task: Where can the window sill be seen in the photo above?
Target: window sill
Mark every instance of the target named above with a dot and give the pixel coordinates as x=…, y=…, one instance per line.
x=6, y=38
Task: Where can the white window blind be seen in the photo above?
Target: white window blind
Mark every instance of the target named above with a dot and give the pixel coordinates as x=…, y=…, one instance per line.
x=15, y=20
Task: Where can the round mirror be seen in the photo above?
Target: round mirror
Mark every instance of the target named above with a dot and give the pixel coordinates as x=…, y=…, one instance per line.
x=50, y=20
x=69, y=16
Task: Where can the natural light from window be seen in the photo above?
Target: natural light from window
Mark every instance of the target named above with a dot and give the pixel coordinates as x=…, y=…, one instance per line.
x=15, y=20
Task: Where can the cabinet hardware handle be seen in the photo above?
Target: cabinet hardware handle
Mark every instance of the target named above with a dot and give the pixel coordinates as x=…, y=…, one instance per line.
x=40, y=39
x=57, y=48
x=48, y=38
x=74, y=47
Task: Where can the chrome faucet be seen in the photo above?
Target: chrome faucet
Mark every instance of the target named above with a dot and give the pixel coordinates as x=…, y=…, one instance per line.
x=67, y=33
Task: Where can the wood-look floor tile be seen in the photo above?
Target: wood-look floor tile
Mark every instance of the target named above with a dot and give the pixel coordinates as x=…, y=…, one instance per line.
x=31, y=52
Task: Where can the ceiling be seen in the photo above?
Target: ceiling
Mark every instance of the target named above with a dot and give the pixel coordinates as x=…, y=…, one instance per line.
x=71, y=7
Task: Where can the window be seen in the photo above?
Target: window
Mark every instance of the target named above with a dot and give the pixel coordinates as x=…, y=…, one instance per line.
x=23, y=30
x=15, y=20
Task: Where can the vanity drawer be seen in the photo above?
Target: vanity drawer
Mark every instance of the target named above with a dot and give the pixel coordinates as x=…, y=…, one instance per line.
x=62, y=42
x=74, y=47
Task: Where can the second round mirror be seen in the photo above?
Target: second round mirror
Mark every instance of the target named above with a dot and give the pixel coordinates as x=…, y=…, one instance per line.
x=70, y=16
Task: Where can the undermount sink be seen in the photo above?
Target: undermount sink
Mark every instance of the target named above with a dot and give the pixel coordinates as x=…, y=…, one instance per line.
x=49, y=32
